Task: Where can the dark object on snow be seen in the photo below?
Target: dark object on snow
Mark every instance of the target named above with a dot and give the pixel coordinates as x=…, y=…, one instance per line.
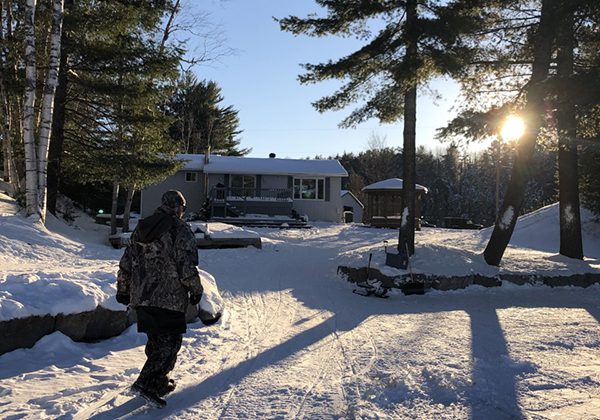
x=413, y=288
x=399, y=260
x=371, y=288
x=207, y=318
x=427, y=223
x=460, y=223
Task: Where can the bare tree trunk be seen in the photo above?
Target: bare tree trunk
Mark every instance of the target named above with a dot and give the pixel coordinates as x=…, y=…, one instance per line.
x=31, y=180
x=534, y=110
x=169, y=26
x=48, y=103
x=127, y=209
x=13, y=106
x=9, y=167
x=113, y=210
x=6, y=141
x=406, y=235
x=570, y=218
x=16, y=107
x=55, y=150
x=6, y=137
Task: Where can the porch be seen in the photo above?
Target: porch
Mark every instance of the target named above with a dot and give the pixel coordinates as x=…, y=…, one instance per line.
x=238, y=202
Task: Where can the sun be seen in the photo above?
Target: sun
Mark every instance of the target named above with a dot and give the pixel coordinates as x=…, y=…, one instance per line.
x=513, y=128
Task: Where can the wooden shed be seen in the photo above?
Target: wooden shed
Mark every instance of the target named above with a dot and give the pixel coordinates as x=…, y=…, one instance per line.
x=384, y=202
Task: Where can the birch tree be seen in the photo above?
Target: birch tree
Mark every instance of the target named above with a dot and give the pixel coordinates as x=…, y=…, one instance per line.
x=36, y=152
x=31, y=180
x=48, y=105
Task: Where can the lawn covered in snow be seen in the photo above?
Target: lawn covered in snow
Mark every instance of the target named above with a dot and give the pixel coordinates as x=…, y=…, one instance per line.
x=295, y=342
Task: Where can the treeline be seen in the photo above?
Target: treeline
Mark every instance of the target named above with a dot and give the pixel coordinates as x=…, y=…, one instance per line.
x=98, y=96
x=460, y=184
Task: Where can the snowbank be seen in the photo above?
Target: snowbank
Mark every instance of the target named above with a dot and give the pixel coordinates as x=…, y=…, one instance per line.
x=60, y=268
x=447, y=252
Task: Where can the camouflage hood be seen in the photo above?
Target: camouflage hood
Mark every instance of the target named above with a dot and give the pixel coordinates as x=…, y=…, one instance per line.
x=153, y=227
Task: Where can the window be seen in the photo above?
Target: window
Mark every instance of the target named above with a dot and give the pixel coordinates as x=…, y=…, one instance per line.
x=309, y=188
x=242, y=185
x=190, y=176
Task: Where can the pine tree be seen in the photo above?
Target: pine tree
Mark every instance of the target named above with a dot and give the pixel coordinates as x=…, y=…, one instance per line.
x=119, y=76
x=201, y=122
x=417, y=42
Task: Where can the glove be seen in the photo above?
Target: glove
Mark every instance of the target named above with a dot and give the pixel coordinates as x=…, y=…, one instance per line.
x=123, y=298
x=195, y=299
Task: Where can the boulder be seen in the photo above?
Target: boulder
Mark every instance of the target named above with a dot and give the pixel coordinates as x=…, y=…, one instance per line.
x=93, y=325
x=24, y=332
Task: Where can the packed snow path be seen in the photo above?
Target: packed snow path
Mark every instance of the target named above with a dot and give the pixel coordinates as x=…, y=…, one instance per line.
x=296, y=343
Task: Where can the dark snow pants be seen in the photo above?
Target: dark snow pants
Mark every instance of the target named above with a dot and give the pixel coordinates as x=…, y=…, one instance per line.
x=161, y=351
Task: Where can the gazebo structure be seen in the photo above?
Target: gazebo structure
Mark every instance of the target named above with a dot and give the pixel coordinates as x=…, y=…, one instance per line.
x=384, y=203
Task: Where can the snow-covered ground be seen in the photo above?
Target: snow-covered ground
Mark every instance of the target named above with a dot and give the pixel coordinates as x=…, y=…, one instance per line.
x=295, y=342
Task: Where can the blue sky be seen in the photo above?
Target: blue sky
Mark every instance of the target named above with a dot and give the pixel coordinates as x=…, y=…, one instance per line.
x=260, y=81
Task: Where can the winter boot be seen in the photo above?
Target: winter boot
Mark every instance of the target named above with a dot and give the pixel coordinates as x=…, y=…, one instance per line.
x=150, y=396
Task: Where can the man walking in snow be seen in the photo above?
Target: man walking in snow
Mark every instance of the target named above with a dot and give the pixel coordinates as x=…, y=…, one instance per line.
x=158, y=276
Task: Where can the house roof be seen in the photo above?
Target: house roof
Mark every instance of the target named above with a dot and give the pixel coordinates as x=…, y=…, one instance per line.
x=391, y=184
x=263, y=166
x=349, y=193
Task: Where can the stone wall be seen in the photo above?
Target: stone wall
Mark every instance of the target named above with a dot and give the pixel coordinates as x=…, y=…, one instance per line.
x=93, y=325
x=430, y=281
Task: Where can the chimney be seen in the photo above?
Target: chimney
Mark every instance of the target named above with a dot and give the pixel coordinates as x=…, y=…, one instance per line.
x=272, y=155
x=207, y=155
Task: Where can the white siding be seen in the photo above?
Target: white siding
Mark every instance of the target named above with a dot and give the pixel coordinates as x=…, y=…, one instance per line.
x=274, y=181
x=325, y=211
x=192, y=191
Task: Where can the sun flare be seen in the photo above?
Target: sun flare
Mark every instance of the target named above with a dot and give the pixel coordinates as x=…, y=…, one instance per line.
x=513, y=128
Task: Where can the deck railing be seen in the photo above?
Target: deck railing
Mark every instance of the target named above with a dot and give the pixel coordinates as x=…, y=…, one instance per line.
x=250, y=194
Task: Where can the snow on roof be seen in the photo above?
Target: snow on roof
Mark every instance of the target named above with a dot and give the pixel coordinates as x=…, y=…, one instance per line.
x=263, y=166
x=344, y=192
x=192, y=162
x=391, y=184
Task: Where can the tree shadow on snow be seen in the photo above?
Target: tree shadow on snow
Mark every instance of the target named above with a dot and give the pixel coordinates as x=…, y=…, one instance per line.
x=493, y=393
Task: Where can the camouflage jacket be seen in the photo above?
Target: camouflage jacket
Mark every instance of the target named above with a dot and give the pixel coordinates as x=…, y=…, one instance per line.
x=159, y=267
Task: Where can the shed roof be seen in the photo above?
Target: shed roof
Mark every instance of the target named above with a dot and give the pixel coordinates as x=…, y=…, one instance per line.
x=391, y=184
x=263, y=166
x=349, y=193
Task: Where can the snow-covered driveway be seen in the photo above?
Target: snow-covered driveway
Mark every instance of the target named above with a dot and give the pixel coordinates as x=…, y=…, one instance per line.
x=295, y=342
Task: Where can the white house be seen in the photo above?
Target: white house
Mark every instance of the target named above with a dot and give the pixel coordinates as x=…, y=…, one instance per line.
x=235, y=186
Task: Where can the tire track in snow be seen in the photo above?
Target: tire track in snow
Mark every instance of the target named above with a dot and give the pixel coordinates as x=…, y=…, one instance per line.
x=250, y=345
x=346, y=363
